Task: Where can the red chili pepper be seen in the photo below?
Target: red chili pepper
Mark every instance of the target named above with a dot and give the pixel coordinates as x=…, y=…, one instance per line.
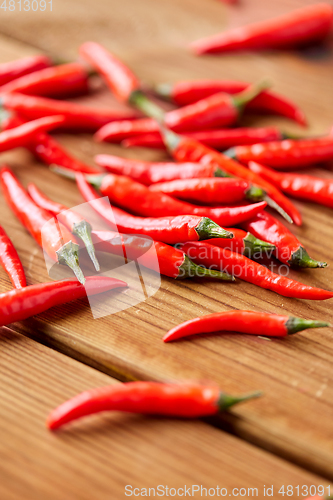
x=211, y=191
x=203, y=253
x=244, y=243
x=54, y=238
x=299, y=27
x=59, y=81
x=166, y=229
x=185, y=149
x=18, y=305
x=187, y=400
x=220, y=139
x=119, y=130
x=69, y=218
x=25, y=133
x=171, y=261
x=251, y=322
x=151, y=172
x=10, y=261
x=77, y=117
x=305, y=187
x=288, y=248
x=189, y=91
x=137, y=198
x=286, y=154
x=15, y=69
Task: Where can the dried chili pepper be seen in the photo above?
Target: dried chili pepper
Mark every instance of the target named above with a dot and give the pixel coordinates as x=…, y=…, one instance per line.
x=139, y=199
x=18, y=305
x=220, y=139
x=54, y=238
x=59, y=81
x=153, y=172
x=287, y=154
x=302, y=26
x=166, y=229
x=203, y=253
x=185, y=149
x=171, y=261
x=305, y=187
x=77, y=116
x=189, y=91
x=211, y=191
x=289, y=250
x=251, y=322
x=15, y=69
x=69, y=218
x=187, y=400
x=245, y=243
x=10, y=261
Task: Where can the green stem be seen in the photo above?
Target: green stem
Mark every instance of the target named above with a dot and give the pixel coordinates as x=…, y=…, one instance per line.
x=164, y=90
x=295, y=325
x=225, y=401
x=144, y=104
x=243, y=98
x=83, y=230
x=271, y=203
x=301, y=258
x=190, y=270
x=255, y=194
x=221, y=173
x=68, y=254
x=207, y=229
x=253, y=246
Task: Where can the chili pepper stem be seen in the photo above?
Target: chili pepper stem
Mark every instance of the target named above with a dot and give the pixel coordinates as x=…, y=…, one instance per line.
x=255, y=194
x=243, y=98
x=208, y=229
x=301, y=258
x=277, y=207
x=68, y=254
x=190, y=270
x=164, y=90
x=144, y=104
x=226, y=401
x=83, y=230
x=295, y=325
x=253, y=245
x=220, y=173
x=231, y=153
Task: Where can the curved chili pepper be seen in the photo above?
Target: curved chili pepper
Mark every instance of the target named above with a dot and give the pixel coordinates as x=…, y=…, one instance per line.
x=151, y=172
x=187, y=400
x=18, y=305
x=244, y=243
x=118, y=130
x=289, y=250
x=171, y=261
x=302, y=26
x=25, y=133
x=185, y=149
x=10, y=261
x=305, y=187
x=15, y=69
x=72, y=220
x=203, y=253
x=251, y=322
x=59, y=81
x=166, y=229
x=189, y=91
x=139, y=199
x=211, y=191
x=220, y=139
x=77, y=116
x=54, y=238
x=286, y=154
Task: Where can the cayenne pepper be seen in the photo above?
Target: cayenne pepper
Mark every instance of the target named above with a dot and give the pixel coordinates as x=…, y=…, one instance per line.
x=244, y=243
x=10, y=261
x=251, y=322
x=15, y=69
x=203, y=253
x=187, y=400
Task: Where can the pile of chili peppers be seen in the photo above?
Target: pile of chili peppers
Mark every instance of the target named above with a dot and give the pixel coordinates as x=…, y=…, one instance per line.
x=188, y=206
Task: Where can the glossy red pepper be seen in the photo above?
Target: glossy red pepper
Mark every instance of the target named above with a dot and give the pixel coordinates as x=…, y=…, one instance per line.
x=122, y=129
x=187, y=400
x=166, y=229
x=59, y=81
x=187, y=92
x=10, y=261
x=77, y=116
x=288, y=154
x=289, y=250
x=53, y=237
x=203, y=253
x=18, y=305
x=152, y=172
x=251, y=322
x=220, y=139
x=15, y=69
x=185, y=149
x=245, y=243
x=305, y=187
x=69, y=218
x=171, y=261
x=309, y=24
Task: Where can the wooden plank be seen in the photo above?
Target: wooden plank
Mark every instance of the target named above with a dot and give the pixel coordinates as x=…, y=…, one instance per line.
x=99, y=456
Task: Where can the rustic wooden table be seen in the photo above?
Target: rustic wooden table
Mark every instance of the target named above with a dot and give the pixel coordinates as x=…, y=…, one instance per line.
x=285, y=438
